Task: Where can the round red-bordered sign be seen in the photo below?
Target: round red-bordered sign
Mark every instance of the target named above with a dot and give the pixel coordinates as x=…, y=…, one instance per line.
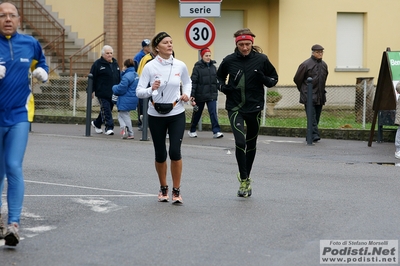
x=200, y=33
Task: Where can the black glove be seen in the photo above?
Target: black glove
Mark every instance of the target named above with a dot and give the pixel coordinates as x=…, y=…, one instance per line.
x=267, y=81
x=226, y=89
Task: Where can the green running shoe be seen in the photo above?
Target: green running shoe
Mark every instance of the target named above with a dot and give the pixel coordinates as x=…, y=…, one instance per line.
x=245, y=187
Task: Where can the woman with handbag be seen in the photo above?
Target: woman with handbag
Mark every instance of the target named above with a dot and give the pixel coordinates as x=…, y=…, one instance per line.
x=161, y=81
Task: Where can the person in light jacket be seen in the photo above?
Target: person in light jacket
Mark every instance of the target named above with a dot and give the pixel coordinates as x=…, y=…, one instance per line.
x=161, y=79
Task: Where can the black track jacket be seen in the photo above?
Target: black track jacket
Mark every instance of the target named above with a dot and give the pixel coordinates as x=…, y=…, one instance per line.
x=245, y=88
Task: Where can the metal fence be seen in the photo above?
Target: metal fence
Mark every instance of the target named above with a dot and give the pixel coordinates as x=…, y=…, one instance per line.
x=348, y=106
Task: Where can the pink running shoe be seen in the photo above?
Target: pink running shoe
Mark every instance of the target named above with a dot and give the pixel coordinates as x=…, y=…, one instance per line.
x=176, y=195
x=163, y=194
x=124, y=133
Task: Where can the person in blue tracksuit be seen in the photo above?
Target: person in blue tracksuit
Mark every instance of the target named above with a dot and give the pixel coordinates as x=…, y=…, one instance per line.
x=127, y=99
x=18, y=53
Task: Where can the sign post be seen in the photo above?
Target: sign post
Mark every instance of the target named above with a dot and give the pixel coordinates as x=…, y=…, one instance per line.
x=200, y=8
x=200, y=32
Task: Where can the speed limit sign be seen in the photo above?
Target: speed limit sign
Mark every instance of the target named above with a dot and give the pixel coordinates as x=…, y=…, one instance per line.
x=200, y=33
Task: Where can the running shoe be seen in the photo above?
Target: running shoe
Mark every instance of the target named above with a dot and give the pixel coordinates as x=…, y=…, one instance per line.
x=245, y=187
x=98, y=130
x=2, y=228
x=218, y=135
x=163, y=194
x=11, y=238
x=124, y=133
x=192, y=134
x=109, y=132
x=176, y=195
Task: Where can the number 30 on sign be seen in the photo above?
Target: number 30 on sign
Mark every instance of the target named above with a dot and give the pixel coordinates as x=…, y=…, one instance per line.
x=200, y=33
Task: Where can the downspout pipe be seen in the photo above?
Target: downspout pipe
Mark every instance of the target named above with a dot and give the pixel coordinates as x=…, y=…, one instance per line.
x=120, y=33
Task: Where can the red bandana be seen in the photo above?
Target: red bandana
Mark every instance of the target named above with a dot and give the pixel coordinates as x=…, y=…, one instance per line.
x=244, y=37
x=203, y=51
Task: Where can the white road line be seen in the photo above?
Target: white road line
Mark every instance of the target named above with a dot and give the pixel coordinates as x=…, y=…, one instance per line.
x=39, y=229
x=92, y=188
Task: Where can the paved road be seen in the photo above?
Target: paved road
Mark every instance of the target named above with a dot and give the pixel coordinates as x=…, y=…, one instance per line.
x=92, y=201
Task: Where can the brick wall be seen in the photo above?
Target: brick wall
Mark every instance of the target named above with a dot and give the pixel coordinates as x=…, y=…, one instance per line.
x=138, y=24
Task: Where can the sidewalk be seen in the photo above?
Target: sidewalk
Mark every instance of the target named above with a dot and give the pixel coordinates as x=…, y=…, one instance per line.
x=388, y=135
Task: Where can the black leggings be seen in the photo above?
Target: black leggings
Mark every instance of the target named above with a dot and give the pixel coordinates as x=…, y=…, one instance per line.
x=175, y=126
x=245, y=142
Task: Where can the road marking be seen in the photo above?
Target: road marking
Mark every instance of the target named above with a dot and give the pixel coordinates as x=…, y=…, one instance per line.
x=91, y=188
x=39, y=229
x=96, y=202
x=99, y=205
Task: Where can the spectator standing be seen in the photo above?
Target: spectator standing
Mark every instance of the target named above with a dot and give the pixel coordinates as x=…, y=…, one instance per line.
x=317, y=69
x=127, y=99
x=205, y=91
x=18, y=53
x=136, y=60
x=148, y=57
x=106, y=74
x=145, y=50
x=397, y=122
x=249, y=71
x=161, y=80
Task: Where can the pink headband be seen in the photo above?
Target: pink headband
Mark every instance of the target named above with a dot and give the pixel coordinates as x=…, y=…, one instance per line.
x=244, y=37
x=203, y=51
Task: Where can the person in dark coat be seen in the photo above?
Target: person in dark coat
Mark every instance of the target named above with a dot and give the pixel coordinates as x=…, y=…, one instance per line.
x=106, y=73
x=249, y=71
x=205, y=91
x=317, y=69
x=127, y=99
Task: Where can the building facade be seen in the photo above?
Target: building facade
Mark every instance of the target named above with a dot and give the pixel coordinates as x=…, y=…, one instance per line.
x=354, y=33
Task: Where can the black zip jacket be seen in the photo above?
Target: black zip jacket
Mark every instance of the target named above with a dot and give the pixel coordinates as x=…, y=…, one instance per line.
x=105, y=75
x=247, y=77
x=204, y=81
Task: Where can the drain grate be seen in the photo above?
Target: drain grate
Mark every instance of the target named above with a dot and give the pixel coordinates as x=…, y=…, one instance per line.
x=379, y=163
x=386, y=163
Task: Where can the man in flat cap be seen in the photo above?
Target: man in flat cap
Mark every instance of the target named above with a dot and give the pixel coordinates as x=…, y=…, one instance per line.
x=317, y=69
